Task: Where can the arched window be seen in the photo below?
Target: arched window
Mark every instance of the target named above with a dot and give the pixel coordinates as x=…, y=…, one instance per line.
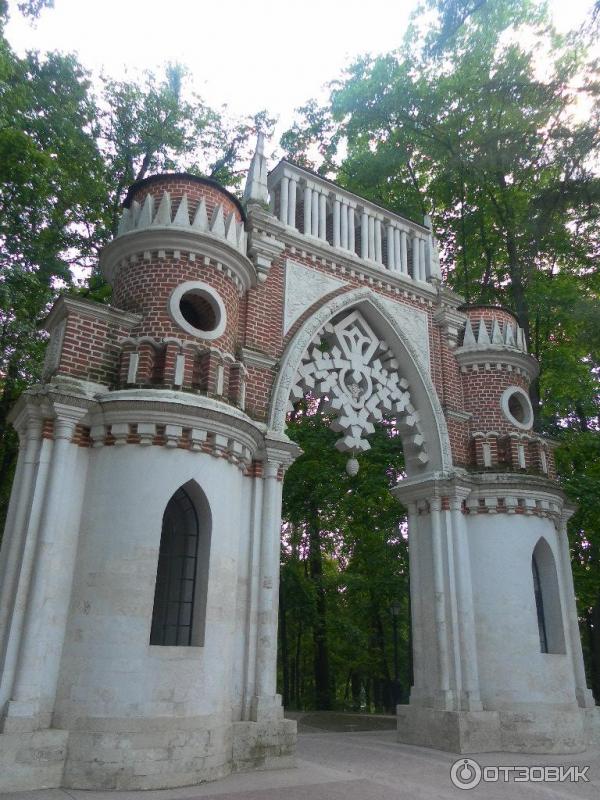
x=547, y=599
x=182, y=574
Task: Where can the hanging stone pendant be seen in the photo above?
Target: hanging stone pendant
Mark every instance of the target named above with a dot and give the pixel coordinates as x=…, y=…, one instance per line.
x=352, y=467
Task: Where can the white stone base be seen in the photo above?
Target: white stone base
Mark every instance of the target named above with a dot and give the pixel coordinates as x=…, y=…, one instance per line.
x=264, y=745
x=32, y=760
x=539, y=729
x=143, y=753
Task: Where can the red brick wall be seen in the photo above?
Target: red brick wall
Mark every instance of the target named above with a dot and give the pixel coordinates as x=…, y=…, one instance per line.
x=146, y=286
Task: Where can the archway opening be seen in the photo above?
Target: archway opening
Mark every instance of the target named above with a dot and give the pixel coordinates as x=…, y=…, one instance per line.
x=344, y=630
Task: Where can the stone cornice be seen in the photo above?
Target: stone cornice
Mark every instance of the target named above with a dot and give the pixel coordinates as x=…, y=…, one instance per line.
x=201, y=243
x=88, y=308
x=498, y=354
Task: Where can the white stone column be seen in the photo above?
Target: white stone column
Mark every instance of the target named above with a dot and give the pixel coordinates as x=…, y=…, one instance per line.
x=344, y=225
x=397, y=256
x=415, y=258
x=308, y=210
x=266, y=654
x=351, y=229
x=584, y=696
x=323, y=217
x=48, y=603
x=364, y=235
x=391, y=247
x=315, y=213
x=283, y=199
x=15, y=530
x=416, y=590
x=439, y=603
x=403, y=253
x=336, y=222
x=293, y=185
x=14, y=629
x=372, y=238
x=422, y=272
x=471, y=700
x=378, y=251
x=253, y=594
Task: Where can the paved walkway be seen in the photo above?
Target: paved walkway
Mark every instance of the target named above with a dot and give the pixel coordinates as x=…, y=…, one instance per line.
x=365, y=765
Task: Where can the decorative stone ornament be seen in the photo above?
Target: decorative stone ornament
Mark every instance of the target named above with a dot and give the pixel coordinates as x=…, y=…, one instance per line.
x=356, y=373
x=352, y=467
x=159, y=433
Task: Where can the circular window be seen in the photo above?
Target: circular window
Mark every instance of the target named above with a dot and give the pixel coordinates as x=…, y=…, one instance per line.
x=198, y=309
x=516, y=407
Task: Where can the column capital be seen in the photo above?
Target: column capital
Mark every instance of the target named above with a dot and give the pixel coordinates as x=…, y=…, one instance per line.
x=66, y=419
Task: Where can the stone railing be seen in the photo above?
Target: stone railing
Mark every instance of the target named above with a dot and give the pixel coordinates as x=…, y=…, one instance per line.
x=319, y=209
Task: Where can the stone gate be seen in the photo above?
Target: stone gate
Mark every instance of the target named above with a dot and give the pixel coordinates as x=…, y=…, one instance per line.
x=140, y=563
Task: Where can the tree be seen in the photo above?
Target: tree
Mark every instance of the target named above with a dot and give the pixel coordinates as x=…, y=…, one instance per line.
x=342, y=566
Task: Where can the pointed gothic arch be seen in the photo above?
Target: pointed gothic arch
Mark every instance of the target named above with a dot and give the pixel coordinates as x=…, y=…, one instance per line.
x=407, y=343
x=547, y=598
x=179, y=608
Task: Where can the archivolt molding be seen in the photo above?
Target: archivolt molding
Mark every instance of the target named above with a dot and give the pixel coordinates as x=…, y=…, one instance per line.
x=363, y=298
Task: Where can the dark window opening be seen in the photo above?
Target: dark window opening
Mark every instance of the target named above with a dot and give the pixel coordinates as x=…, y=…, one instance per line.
x=517, y=408
x=539, y=604
x=174, y=595
x=198, y=311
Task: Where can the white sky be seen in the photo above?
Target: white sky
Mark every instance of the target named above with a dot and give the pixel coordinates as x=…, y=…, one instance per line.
x=248, y=54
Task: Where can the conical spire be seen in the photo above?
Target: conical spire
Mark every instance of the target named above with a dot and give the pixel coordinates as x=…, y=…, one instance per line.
x=256, y=183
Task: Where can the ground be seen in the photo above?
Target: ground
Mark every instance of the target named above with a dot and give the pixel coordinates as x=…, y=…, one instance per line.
x=349, y=757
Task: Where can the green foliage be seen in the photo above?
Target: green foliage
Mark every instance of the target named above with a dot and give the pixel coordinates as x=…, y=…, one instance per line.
x=344, y=561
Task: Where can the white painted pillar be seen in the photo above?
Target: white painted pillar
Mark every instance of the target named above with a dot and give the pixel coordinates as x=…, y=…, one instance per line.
x=397, y=256
x=283, y=199
x=471, y=700
x=322, y=217
x=308, y=210
x=252, y=614
x=422, y=272
x=378, y=251
x=391, y=248
x=293, y=185
x=15, y=530
x=351, y=230
x=364, y=235
x=17, y=621
x=315, y=212
x=336, y=222
x=584, y=696
x=372, y=238
x=266, y=654
x=439, y=603
x=344, y=225
x=416, y=589
x=415, y=258
x=403, y=253
x=48, y=603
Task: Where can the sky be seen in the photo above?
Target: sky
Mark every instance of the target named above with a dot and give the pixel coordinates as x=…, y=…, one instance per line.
x=246, y=54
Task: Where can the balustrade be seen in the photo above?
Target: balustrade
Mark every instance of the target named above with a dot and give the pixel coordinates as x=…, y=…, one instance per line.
x=317, y=208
